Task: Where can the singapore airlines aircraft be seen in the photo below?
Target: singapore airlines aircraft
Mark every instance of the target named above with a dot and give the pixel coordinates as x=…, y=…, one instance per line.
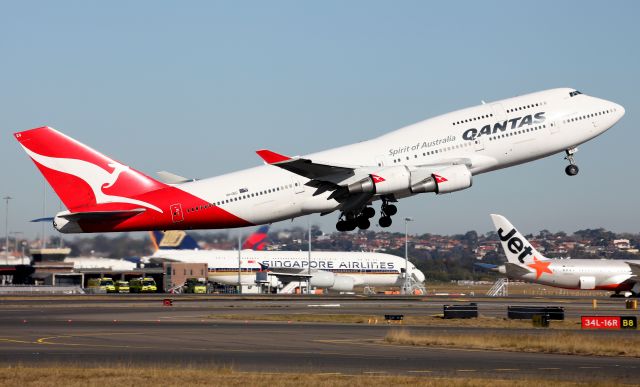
x=437, y=155
x=526, y=263
x=337, y=271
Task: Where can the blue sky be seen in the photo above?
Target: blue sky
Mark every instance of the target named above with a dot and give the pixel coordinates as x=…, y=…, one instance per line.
x=196, y=87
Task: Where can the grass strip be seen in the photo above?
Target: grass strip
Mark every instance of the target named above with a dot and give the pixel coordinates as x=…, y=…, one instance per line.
x=129, y=375
x=562, y=342
x=435, y=321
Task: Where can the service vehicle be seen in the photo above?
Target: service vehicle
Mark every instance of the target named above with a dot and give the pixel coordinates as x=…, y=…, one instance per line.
x=143, y=285
x=122, y=286
x=104, y=283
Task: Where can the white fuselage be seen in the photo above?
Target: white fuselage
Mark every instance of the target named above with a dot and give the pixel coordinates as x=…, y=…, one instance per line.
x=585, y=274
x=366, y=269
x=485, y=138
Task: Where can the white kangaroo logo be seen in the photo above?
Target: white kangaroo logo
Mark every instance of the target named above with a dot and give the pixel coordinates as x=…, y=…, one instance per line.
x=96, y=177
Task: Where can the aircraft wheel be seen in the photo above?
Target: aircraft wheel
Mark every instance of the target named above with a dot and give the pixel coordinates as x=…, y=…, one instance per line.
x=385, y=221
x=571, y=170
x=368, y=212
x=390, y=210
x=341, y=226
x=363, y=223
x=350, y=225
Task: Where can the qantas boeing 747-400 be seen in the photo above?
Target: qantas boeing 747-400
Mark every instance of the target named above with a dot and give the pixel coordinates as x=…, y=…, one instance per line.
x=438, y=155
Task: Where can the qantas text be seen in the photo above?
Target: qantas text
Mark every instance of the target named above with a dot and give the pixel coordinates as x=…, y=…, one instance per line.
x=513, y=123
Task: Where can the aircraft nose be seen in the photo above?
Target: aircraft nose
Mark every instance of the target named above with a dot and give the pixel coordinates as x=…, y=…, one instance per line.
x=620, y=110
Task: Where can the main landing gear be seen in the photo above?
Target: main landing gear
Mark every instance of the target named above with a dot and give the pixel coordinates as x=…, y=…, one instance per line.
x=349, y=221
x=571, y=169
x=388, y=210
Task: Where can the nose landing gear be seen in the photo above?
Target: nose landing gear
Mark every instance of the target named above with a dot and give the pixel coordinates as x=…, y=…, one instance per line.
x=571, y=169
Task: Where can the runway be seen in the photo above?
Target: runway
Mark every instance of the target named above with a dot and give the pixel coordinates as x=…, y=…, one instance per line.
x=142, y=331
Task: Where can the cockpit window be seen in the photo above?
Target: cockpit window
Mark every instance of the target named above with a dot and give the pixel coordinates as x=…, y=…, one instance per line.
x=574, y=93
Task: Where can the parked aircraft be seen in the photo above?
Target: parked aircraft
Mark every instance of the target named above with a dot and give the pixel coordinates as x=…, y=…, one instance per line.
x=438, y=155
x=526, y=263
x=337, y=271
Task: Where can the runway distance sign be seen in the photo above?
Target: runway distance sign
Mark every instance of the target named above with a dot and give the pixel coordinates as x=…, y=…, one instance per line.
x=609, y=322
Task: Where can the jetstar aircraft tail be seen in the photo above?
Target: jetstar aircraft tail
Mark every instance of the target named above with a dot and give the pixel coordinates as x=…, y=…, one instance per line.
x=516, y=247
x=84, y=178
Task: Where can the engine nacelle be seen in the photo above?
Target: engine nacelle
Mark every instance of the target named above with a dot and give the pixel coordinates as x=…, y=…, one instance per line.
x=322, y=279
x=384, y=181
x=343, y=284
x=451, y=179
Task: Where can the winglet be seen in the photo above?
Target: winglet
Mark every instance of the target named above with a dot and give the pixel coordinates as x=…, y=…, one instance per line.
x=271, y=157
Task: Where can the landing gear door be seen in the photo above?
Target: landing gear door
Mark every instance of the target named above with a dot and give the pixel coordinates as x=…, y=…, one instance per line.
x=176, y=213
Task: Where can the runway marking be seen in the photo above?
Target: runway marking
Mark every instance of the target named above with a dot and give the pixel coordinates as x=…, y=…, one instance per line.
x=585, y=368
x=549, y=368
x=466, y=370
x=328, y=373
x=375, y=372
x=506, y=369
x=420, y=372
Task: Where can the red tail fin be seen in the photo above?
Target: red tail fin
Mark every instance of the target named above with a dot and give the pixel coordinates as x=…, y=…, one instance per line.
x=81, y=176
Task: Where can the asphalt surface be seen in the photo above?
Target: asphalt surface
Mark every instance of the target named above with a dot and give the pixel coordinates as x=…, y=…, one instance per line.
x=139, y=330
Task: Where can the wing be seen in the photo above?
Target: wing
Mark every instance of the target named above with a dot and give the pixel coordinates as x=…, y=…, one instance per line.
x=287, y=274
x=354, y=186
x=172, y=178
x=305, y=167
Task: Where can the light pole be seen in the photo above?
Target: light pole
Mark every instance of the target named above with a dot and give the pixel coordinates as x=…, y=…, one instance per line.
x=309, y=258
x=239, y=263
x=405, y=287
x=6, y=225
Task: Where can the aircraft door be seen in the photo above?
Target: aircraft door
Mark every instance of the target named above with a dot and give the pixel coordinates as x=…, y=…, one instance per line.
x=298, y=187
x=498, y=112
x=176, y=213
x=554, y=127
x=380, y=161
x=479, y=144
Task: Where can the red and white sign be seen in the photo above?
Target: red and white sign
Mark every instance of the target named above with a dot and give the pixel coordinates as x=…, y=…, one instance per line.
x=608, y=322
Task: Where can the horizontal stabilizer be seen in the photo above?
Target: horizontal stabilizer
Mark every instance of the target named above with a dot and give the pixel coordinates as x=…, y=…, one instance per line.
x=487, y=266
x=49, y=219
x=101, y=215
x=515, y=271
x=635, y=268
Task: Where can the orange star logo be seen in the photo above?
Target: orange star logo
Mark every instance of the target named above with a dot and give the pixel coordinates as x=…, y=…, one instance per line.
x=540, y=267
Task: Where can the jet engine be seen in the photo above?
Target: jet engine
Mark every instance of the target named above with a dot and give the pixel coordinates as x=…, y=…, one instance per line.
x=451, y=179
x=395, y=179
x=322, y=279
x=328, y=280
x=343, y=284
x=385, y=181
